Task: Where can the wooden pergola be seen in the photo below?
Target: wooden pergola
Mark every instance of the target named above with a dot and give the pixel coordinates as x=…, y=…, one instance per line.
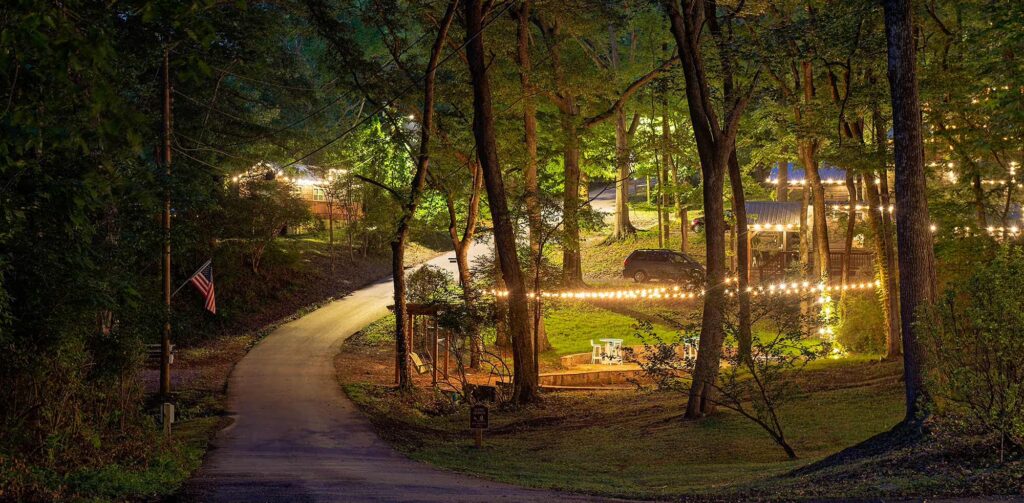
x=432, y=336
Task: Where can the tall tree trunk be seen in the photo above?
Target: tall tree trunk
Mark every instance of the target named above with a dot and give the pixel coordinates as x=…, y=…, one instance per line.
x=530, y=174
x=462, y=245
x=680, y=207
x=418, y=182
x=913, y=233
x=572, y=267
x=807, y=151
x=805, y=236
x=819, y=228
x=851, y=224
x=782, y=189
x=524, y=381
x=714, y=145
x=739, y=209
x=883, y=263
x=565, y=101
x=663, y=185
x=889, y=238
x=623, y=227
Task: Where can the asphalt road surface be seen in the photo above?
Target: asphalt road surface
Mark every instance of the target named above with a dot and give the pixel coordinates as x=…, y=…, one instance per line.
x=296, y=437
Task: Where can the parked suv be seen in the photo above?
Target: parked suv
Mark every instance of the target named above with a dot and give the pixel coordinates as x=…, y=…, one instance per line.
x=697, y=224
x=645, y=265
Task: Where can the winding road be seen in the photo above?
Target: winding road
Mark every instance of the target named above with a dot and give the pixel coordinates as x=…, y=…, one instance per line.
x=297, y=438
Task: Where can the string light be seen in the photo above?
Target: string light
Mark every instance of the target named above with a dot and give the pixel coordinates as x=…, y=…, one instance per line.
x=676, y=293
x=773, y=227
x=862, y=207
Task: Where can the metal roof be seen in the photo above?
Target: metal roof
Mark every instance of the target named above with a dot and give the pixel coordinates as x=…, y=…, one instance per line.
x=828, y=174
x=773, y=213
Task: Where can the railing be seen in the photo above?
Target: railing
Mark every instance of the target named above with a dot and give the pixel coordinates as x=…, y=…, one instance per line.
x=768, y=267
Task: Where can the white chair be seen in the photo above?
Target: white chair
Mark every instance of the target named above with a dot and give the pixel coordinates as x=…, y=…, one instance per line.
x=615, y=352
x=596, y=352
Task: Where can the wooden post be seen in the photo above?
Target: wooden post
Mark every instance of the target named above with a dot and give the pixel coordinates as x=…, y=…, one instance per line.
x=750, y=253
x=785, y=251
x=165, y=159
x=447, y=351
x=478, y=436
x=433, y=358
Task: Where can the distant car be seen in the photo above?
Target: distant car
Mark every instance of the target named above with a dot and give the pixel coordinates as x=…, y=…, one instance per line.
x=645, y=265
x=697, y=224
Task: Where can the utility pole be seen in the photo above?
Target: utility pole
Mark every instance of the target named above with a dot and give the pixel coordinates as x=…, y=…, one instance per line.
x=165, y=159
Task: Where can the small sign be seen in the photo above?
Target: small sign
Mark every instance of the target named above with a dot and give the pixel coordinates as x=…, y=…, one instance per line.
x=478, y=417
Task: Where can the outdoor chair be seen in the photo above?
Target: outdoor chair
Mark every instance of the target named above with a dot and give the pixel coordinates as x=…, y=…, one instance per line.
x=596, y=352
x=421, y=368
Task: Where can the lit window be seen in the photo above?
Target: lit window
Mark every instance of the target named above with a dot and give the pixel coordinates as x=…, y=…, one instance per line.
x=319, y=194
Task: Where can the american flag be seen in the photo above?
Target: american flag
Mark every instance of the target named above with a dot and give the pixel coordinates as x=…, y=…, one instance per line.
x=203, y=281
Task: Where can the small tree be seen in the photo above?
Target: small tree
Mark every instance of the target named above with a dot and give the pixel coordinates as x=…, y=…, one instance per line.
x=755, y=387
x=258, y=211
x=336, y=187
x=431, y=285
x=973, y=341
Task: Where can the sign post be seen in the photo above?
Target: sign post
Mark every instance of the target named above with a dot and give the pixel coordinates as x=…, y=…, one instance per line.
x=478, y=422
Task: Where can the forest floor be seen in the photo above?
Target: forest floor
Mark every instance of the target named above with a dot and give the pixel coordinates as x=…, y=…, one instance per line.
x=623, y=443
x=634, y=443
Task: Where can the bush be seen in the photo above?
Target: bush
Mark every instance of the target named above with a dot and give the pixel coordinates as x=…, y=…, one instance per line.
x=430, y=284
x=976, y=350
x=756, y=387
x=861, y=327
x=257, y=211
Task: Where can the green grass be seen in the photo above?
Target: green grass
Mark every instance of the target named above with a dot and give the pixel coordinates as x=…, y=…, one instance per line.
x=635, y=444
x=602, y=260
x=572, y=325
x=160, y=475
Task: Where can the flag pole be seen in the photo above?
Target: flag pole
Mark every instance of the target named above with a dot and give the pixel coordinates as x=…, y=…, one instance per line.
x=165, y=340
x=192, y=276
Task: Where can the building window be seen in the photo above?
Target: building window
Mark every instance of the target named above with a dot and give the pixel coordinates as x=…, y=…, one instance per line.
x=319, y=194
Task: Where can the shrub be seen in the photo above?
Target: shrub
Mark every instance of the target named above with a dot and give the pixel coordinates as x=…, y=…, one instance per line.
x=430, y=284
x=258, y=210
x=756, y=388
x=861, y=327
x=976, y=350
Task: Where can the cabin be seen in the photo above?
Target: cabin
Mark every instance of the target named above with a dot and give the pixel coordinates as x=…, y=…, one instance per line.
x=316, y=192
x=773, y=228
x=314, y=186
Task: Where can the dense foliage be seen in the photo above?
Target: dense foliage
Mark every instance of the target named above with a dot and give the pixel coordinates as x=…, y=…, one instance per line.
x=336, y=86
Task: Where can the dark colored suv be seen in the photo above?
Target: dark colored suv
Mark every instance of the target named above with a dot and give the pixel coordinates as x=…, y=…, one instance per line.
x=645, y=265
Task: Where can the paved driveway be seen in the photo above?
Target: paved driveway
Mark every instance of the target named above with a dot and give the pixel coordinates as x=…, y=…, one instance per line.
x=296, y=437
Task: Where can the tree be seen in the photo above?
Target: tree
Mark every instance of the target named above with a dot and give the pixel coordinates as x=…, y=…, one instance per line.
x=716, y=142
x=913, y=233
x=524, y=382
x=531, y=180
x=259, y=211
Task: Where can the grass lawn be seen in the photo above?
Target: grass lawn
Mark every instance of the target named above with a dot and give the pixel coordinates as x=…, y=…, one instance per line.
x=602, y=261
x=634, y=444
x=572, y=325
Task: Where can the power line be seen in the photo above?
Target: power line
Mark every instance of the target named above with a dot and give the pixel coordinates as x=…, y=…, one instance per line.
x=316, y=112
x=403, y=91
x=272, y=84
